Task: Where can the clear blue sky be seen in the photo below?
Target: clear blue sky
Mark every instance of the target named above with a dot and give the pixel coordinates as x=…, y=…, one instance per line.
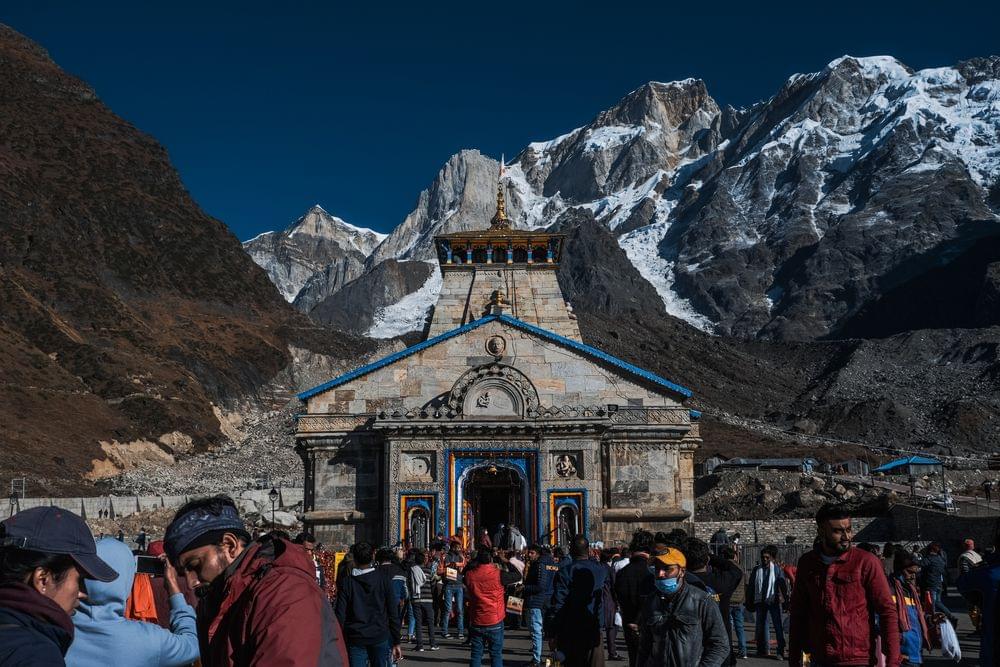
x=268, y=108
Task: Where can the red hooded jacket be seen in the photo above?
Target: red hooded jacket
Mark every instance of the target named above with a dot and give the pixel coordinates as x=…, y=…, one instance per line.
x=486, y=584
x=269, y=611
x=831, y=611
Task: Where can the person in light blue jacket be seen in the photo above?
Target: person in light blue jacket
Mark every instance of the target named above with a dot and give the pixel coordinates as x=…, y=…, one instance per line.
x=103, y=633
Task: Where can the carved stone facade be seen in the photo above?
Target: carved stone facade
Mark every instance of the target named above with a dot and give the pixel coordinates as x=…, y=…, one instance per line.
x=444, y=429
x=497, y=420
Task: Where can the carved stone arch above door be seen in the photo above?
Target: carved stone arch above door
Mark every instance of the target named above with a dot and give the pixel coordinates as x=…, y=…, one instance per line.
x=494, y=390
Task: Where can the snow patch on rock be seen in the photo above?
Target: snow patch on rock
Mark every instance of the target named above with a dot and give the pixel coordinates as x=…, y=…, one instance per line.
x=642, y=248
x=409, y=313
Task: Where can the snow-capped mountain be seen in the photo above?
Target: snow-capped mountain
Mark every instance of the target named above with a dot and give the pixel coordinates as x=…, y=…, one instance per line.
x=787, y=219
x=846, y=184
x=314, y=257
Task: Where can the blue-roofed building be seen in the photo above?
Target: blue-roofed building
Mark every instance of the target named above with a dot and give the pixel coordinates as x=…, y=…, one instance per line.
x=910, y=465
x=502, y=416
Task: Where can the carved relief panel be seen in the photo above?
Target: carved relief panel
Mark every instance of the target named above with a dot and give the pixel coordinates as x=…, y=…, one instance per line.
x=417, y=466
x=567, y=464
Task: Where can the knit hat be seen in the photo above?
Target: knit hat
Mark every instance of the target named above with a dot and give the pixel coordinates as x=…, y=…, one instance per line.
x=671, y=557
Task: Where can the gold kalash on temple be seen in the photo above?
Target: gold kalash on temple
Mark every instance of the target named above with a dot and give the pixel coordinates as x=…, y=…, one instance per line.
x=500, y=243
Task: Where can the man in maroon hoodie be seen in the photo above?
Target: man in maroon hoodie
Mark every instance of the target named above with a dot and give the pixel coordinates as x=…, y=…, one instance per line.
x=259, y=601
x=836, y=588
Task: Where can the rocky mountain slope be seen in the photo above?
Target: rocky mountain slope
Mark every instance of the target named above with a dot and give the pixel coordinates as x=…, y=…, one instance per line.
x=794, y=219
x=927, y=390
x=129, y=319
x=314, y=257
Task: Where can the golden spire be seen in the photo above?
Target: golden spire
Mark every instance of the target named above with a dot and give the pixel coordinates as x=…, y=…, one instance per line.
x=500, y=221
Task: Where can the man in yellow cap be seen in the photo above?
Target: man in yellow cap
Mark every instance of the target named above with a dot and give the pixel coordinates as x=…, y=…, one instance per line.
x=680, y=625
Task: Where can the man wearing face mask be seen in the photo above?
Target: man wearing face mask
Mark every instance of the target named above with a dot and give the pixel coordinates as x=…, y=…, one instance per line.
x=259, y=603
x=680, y=625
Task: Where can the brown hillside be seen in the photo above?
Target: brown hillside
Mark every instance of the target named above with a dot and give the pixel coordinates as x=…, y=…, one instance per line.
x=125, y=311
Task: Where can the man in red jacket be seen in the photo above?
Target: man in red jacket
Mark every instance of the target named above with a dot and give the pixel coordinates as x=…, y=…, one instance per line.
x=836, y=588
x=485, y=583
x=259, y=601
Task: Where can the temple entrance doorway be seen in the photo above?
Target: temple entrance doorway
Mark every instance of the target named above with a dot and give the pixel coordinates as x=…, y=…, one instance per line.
x=493, y=495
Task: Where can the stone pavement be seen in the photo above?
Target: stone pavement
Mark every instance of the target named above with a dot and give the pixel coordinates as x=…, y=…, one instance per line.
x=517, y=645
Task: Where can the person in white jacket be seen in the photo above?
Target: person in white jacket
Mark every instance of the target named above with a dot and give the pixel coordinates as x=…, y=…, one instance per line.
x=104, y=636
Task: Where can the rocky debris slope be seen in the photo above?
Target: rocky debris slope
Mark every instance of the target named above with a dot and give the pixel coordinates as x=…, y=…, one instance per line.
x=261, y=445
x=127, y=315
x=314, y=257
x=265, y=452
x=767, y=495
x=929, y=390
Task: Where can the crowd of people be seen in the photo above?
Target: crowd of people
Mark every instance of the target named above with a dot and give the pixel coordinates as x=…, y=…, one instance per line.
x=212, y=594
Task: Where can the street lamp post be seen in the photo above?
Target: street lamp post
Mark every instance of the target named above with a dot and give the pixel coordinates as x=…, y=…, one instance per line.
x=273, y=495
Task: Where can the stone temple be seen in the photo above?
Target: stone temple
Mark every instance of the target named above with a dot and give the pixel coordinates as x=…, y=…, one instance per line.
x=503, y=415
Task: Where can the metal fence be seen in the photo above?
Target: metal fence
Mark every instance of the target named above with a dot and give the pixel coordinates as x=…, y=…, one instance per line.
x=787, y=553
x=749, y=554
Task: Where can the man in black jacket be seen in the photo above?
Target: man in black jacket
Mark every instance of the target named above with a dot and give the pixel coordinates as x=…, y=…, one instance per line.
x=632, y=584
x=576, y=616
x=766, y=594
x=368, y=611
x=538, y=578
x=720, y=577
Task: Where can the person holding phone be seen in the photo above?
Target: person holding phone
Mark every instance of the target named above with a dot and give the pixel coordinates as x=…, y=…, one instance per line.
x=102, y=629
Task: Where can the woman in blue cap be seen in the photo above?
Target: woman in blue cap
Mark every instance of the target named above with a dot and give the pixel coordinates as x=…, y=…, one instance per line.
x=45, y=554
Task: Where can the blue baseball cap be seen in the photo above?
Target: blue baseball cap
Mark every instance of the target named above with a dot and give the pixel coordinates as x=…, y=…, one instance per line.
x=53, y=530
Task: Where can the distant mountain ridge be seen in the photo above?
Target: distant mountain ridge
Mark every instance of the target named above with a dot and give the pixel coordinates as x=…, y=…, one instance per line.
x=314, y=256
x=783, y=220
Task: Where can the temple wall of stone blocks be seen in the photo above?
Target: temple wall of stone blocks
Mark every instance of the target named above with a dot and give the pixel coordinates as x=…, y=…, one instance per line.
x=532, y=295
x=560, y=376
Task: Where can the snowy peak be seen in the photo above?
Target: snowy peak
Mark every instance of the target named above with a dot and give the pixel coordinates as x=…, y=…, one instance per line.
x=624, y=159
x=316, y=254
x=780, y=220
x=462, y=197
x=871, y=67
x=853, y=176
x=317, y=222
x=668, y=105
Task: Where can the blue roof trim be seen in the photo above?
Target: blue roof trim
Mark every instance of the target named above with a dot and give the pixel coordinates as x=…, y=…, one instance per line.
x=597, y=354
x=695, y=414
x=385, y=361
x=513, y=321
